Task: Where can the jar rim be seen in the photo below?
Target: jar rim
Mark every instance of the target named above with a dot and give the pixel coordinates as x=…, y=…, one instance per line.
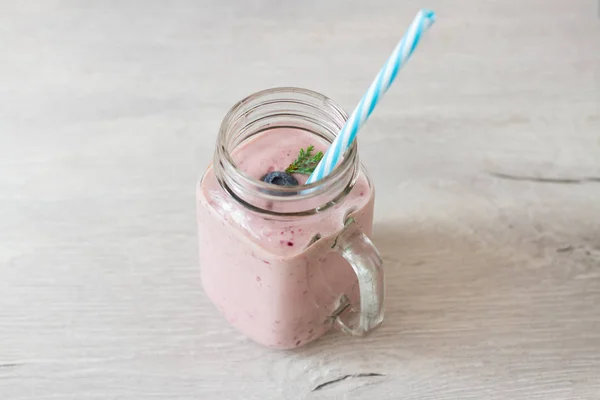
x=282, y=193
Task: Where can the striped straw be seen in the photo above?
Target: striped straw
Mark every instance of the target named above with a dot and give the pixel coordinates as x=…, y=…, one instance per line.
x=380, y=85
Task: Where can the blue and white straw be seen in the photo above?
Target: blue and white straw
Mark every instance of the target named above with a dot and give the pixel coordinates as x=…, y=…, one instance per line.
x=380, y=85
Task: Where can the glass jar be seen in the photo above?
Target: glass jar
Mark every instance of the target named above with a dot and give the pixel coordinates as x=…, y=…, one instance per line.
x=285, y=264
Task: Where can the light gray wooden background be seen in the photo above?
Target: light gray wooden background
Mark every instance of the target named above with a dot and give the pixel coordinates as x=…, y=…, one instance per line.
x=485, y=154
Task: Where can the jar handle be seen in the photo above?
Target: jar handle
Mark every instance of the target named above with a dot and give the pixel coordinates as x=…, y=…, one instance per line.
x=365, y=260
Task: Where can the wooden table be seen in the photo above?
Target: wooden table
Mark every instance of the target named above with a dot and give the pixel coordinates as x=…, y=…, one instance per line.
x=485, y=155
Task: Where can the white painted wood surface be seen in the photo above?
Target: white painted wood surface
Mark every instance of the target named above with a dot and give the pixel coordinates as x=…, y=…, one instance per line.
x=108, y=115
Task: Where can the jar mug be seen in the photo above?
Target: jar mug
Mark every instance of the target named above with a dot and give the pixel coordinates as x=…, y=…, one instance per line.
x=335, y=279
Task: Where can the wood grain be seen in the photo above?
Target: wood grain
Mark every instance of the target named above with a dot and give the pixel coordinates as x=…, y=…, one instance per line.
x=485, y=155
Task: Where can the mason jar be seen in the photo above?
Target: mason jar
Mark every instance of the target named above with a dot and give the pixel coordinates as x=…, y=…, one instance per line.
x=284, y=264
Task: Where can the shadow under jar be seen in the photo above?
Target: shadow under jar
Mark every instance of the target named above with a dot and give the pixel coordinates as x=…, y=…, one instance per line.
x=285, y=264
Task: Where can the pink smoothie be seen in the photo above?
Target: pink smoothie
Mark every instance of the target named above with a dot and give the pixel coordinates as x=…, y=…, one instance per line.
x=264, y=272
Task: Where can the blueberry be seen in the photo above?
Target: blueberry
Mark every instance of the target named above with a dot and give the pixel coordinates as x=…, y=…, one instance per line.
x=280, y=178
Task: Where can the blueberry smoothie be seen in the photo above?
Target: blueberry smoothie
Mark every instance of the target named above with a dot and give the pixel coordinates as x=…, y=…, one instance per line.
x=277, y=278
